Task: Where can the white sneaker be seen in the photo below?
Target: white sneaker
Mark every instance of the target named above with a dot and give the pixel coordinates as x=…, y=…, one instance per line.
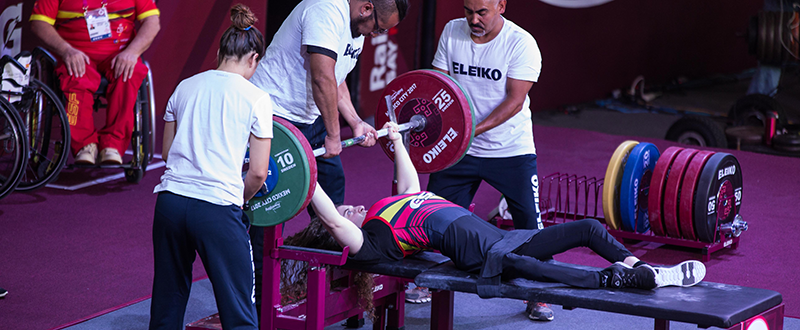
x=684, y=274
x=110, y=156
x=87, y=154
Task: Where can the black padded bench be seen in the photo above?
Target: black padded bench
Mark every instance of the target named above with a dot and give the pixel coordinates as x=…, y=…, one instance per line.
x=408, y=268
x=706, y=304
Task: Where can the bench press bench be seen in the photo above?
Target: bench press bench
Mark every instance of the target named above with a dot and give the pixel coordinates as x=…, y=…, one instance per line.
x=705, y=304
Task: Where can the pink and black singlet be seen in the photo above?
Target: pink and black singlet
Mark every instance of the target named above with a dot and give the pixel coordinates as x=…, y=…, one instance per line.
x=402, y=225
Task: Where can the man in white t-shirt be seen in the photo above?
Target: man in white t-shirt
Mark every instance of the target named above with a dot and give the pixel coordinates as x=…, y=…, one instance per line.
x=305, y=67
x=304, y=70
x=496, y=62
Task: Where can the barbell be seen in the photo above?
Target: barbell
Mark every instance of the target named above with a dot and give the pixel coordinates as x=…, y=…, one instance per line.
x=433, y=110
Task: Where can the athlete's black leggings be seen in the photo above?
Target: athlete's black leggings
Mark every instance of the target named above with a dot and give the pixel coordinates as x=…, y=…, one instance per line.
x=530, y=260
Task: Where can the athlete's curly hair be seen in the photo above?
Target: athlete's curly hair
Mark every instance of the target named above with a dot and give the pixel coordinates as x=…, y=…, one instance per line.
x=294, y=273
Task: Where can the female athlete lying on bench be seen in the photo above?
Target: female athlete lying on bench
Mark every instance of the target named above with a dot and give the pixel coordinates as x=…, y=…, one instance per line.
x=415, y=220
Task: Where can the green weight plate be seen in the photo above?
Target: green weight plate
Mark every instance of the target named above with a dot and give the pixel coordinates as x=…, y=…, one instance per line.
x=297, y=171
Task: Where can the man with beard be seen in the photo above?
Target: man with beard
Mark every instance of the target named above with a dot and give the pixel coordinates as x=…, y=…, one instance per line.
x=304, y=70
x=496, y=62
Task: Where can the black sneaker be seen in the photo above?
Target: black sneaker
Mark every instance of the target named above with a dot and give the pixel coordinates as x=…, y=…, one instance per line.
x=539, y=311
x=619, y=275
x=684, y=274
x=3, y=292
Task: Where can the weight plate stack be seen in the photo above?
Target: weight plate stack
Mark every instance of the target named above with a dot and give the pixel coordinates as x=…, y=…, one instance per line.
x=296, y=169
x=635, y=187
x=718, y=198
x=612, y=182
x=789, y=142
x=657, y=185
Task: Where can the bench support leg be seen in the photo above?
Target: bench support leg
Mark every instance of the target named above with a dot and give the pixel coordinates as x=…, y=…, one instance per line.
x=354, y=322
x=661, y=324
x=442, y=310
x=771, y=318
x=380, y=321
x=396, y=312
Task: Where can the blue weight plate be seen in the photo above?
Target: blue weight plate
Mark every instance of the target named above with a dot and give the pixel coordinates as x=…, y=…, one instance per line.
x=718, y=197
x=635, y=187
x=272, y=179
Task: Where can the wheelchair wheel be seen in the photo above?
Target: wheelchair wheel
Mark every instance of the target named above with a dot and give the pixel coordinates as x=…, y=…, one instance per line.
x=140, y=141
x=13, y=148
x=47, y=134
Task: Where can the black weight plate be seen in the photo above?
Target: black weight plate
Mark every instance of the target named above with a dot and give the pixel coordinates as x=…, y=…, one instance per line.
x=787, y=142
x=718, y=197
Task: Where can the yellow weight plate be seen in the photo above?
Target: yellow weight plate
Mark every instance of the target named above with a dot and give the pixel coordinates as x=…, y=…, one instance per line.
x=612, y=181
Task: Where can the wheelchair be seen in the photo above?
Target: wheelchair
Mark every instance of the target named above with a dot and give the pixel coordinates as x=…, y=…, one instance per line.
x=142, y=137
x=13, y=147
x=29, y=159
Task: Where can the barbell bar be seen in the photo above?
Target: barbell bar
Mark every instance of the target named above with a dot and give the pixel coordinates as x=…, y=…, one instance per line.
x=416, y=123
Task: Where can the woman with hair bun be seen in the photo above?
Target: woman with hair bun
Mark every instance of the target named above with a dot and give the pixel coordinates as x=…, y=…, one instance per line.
x=209, y=121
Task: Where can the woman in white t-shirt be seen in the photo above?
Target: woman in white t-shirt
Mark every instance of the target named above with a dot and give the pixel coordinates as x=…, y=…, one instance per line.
x=210, y=119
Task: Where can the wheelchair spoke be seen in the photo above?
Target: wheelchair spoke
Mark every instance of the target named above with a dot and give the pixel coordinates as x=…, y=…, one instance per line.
x=12, y=148
x=48, y=136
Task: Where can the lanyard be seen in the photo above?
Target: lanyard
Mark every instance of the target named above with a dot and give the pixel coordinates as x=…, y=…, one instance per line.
x=86, y=5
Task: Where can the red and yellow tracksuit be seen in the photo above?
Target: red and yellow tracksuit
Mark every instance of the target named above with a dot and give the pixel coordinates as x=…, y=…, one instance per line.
x=68, y=18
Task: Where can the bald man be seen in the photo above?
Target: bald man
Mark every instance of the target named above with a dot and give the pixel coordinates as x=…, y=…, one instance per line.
x=497, y=63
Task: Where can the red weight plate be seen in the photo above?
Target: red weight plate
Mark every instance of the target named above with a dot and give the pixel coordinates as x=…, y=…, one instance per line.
x=672, y=192
x=312, y=162
x=657, y=185
x=688, y=188
x=449, y=122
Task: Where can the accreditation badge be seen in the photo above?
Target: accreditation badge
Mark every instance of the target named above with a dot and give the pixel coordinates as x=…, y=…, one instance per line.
x=97, y=23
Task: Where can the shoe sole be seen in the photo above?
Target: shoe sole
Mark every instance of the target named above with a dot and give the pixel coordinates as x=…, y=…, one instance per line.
x=421, y=301
x=684, y=274
x=421, y=297
x=536, y=318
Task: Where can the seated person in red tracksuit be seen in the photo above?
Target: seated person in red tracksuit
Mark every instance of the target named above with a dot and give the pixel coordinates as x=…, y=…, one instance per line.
x=93, y=38
x=414, y=220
